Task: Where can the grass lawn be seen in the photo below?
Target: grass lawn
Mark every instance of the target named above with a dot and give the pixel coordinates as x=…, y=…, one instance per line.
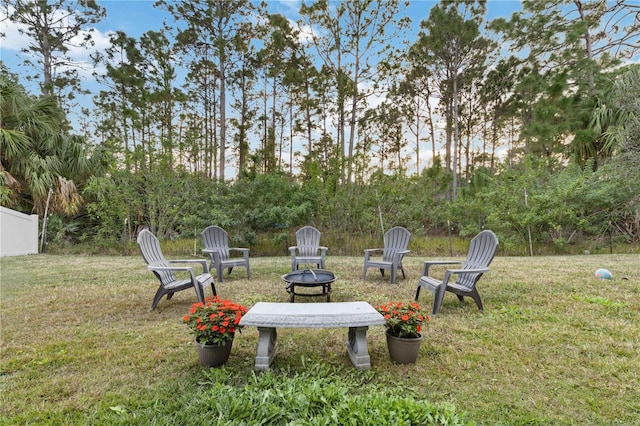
x=554, y=344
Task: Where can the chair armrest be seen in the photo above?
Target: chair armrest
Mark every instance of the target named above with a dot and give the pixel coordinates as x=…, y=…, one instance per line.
x=397, y=257
x=450, y=272
x=239, y=249
x=369, y=252
x=468, y=271
x=292, y=250
x=428, y=263
x=323, y=250
x=188, y=269
x=202, y=262
x=244, y=251
x=169, y=268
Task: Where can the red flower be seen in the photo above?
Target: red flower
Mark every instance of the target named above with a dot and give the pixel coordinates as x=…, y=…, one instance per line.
x=215, y=321
x=403, y=319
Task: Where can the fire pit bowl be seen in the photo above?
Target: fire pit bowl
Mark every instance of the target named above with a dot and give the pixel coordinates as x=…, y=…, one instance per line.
x=309, y=278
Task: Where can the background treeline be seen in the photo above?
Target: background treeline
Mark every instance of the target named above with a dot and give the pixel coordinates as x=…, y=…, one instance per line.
x=353, y=127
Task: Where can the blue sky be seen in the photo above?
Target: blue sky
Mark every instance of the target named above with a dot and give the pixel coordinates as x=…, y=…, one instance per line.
x=135, y=17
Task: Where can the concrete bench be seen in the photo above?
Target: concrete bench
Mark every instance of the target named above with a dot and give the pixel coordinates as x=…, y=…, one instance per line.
x=358, y=316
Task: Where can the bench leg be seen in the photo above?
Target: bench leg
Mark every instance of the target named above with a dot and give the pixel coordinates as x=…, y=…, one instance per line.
x=267, y=347
x=358, y=349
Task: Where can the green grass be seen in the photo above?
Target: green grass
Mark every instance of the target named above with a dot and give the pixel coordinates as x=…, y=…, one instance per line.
x=554, y=345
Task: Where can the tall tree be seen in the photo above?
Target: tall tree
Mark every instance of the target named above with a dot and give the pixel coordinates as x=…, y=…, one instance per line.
x=356, y=32
x=163, y=97
x=414, y=94
x=123, y=103
x=385, y=138
x=242, y=83
x=55, y=27
x=215, y=24
x=496, y=95
x=567, y=43
x=277, y=58
x=453, y=45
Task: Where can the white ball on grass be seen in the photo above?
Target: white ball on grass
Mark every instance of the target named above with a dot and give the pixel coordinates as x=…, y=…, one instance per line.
x=604, y=274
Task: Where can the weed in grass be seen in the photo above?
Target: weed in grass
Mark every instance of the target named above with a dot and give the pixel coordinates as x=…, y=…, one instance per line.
x=599, y=300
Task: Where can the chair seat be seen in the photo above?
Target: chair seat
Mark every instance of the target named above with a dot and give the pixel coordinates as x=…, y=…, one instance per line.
x=458, y=288
x=308, y=259
x=203, y=279
x=430, y=283
x=178, y=284
x=379, y=264
x=234, y=262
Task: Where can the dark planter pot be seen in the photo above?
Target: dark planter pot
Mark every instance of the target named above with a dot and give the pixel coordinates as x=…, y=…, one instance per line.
x=403, y=350
x=213, y=355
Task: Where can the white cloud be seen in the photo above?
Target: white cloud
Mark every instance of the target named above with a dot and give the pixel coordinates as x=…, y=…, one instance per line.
x=305, y=33
x=12, y=39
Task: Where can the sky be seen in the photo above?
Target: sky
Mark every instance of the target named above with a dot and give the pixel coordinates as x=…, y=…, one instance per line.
x=135, y=17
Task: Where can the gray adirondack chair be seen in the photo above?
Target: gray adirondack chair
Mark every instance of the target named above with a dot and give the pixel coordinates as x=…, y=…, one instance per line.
x=216, y=245
x=396, y=243
x=482, y=250
x=152, y=254
x=307, y=249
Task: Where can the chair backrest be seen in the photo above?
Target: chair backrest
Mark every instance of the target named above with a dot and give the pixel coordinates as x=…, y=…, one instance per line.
x=152, y=254
x=395, y=239
x=216, y=238
x=308, y=241
x=482, y=250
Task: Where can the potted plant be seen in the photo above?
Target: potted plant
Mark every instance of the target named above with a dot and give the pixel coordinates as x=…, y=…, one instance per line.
x=214, y=324
x=404, y=329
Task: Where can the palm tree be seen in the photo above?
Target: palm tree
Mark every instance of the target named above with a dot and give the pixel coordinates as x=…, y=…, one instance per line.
x=615, y=110
x=35, y=154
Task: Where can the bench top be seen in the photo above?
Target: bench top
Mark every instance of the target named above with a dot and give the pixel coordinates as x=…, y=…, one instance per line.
x=312, y=315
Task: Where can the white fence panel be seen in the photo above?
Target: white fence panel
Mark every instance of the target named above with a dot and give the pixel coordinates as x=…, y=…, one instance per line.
x=18, y=233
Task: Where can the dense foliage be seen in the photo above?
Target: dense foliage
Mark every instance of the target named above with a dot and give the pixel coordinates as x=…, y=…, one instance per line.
x=540, y=145
x=523, y=204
